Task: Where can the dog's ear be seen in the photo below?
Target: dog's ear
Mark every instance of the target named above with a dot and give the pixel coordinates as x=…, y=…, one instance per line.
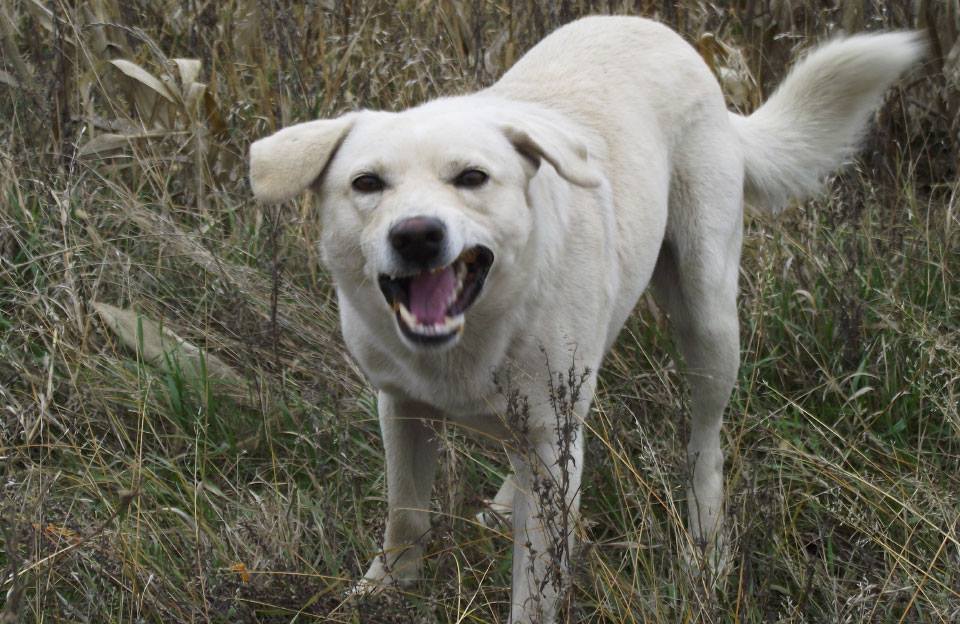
x=288, y=161
x=539, y=140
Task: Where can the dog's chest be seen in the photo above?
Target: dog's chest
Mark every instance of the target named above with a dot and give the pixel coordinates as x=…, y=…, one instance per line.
x=454, y=384
x=459, y=381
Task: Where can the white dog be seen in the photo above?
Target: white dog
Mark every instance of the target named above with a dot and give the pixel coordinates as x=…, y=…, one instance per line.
x=498, y=231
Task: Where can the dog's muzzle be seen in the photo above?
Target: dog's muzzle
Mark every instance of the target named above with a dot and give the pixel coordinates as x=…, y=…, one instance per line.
x=429, y=305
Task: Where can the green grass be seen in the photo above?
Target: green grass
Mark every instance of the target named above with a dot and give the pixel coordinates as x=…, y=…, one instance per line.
x=137, y=491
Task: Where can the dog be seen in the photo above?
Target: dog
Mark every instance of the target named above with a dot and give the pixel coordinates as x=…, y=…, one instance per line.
x=489, y=234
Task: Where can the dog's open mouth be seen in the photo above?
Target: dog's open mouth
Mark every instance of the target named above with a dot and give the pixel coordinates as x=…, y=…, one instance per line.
x=429, y=306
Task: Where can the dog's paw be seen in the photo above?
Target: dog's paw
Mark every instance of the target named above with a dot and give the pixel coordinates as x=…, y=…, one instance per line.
x=363, y=588
x=498, y=513
x=495, y=516
x=709, y=564
x=379, y=576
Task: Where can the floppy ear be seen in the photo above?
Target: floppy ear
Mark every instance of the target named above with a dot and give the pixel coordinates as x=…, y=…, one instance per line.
x=539, y=140
x=286, y=162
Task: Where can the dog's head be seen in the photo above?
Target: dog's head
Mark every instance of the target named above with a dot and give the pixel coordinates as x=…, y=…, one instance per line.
x=422, y=204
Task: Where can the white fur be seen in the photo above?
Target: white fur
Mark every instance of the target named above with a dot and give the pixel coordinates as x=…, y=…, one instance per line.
x=816, y=118
x=613, y=165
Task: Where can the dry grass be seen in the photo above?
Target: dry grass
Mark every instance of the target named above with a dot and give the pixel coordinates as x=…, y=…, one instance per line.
x=137, y=489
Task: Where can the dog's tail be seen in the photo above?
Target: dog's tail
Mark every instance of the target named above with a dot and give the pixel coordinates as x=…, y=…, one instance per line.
x=816, y=117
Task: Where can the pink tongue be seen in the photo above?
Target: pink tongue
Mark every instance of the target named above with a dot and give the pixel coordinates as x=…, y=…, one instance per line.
x=429, y=293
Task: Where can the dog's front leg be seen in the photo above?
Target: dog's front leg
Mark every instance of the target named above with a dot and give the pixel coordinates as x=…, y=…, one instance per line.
x=411, y=458
x=547, y=473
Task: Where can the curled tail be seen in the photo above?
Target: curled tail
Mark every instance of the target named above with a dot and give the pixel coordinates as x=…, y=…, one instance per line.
x=817, y=116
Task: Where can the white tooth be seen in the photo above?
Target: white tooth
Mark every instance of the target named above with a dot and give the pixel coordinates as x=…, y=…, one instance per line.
x=461, y=272
x=448, y=325
x=407, y=317
x=452, y=323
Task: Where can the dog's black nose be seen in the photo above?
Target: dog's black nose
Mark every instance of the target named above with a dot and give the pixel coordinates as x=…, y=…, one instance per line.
x=418, y=240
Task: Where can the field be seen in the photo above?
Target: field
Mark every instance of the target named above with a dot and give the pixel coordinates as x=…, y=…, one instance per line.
x=184, y=439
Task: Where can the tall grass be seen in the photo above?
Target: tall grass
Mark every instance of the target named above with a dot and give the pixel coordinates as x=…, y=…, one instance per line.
x=138, y=488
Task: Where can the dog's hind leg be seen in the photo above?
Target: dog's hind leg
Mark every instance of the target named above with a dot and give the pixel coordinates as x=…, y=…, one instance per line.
x=411, y=457
x=695, y=281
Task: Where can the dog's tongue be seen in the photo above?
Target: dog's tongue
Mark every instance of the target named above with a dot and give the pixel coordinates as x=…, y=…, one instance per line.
x=429, y=293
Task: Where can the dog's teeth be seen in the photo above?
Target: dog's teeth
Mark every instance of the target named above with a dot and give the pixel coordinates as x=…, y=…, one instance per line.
x=448, y=325
x=408, y=317
x=455, y=294
x=461, y=273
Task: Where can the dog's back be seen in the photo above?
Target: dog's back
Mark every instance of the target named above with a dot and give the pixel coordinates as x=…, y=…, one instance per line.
x=599, y=67
x=607, y=72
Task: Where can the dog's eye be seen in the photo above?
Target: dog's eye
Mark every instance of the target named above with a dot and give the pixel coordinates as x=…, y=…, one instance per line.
x=368, y=183
x=470, y=178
